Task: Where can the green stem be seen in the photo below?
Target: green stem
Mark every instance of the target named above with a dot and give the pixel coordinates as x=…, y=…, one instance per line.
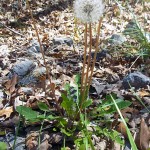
x=39, y=140
x=134, y=147
x=16, y=134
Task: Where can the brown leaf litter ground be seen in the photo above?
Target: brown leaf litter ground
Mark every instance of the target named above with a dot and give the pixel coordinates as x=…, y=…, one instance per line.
x=62, y=38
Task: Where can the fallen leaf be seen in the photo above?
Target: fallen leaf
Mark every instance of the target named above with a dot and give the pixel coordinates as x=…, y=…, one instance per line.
x=143, y=93
x=10, y=85
x=122, y=129
x=6, y=112
x=142, y=139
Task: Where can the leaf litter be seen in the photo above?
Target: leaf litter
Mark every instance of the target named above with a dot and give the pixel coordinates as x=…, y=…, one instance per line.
x=63, y=47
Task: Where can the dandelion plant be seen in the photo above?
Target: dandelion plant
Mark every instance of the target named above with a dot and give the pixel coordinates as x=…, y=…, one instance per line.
x=89, y=12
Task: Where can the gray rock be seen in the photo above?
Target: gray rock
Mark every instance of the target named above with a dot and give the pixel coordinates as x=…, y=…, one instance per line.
x=9, y=140
x=132, y=24
x=34, y=76
x=117, y=39
x=97, y=86
x=100, y=55
x=127, y=145
x=27, y=90
x=4, y=50
x=1, y=95
x=22, y=68
x=136, y=80
x=35, y=48
x=63, y=40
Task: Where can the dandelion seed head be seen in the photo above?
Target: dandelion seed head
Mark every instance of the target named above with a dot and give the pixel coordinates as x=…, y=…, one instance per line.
x=88, y=11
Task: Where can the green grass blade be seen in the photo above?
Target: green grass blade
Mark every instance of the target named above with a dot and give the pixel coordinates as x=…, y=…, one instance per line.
x=134, y=147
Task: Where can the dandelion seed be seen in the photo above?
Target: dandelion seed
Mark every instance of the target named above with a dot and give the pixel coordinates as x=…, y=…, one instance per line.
x=88, y=11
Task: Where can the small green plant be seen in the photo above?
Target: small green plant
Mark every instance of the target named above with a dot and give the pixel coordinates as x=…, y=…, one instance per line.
x=127, y=129
x=72, y=118
x=136, y=32
x=74, y=123
x=88, y=12
x=3, y=146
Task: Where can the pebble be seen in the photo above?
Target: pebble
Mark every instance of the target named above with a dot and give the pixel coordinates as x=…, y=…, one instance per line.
x=27, y=90
x=100, y=55
x=62, y=40
x=35, y=47
x=20, y=141
x=34, y=76
x=22, y=68
x=127, y=145
x=4, y=50
x=117, y=39
x=131, y=24
x=136, y=80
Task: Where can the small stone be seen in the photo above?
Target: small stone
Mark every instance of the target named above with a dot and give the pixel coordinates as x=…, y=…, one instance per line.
x=136, y=80
x=100, y=55
x=127, y=145
x=117, y=39
x=1, y=95
x=97, y=86
x=10, y=138
x=63, y=40
x=34, y=77
x=4, y=51
x=22, y=68
x=40, y=71
x=27, y=90
x=132, y=24
x=35, y=47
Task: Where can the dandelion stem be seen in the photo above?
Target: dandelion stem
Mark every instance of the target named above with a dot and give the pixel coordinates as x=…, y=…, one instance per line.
x=89, y=62
x=84, y=59
x=96, y=51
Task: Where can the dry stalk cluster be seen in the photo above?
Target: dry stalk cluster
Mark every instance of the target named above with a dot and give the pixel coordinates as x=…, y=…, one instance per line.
x=89, y=12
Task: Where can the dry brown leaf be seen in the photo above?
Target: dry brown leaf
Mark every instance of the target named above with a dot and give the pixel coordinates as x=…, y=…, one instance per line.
x=10, y=85
x=11, y=122
x=31, y=141
x=6, y=112
x=56, y=55
x=122, y=129
x=142, y=139
x=143, y=93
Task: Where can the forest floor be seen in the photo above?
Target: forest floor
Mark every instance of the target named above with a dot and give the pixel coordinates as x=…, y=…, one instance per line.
x=121, y=59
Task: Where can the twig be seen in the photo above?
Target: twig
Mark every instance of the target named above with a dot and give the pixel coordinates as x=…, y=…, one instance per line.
x=134, y=62
x=43, y=56
x=12, y=30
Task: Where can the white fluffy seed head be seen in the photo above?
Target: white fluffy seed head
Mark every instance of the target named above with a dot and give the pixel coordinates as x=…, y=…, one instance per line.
x=88, y=11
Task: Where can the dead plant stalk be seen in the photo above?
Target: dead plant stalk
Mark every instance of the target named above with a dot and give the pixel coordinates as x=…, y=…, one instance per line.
x=43, y=56
x=89, y=72
x=89, y=62
x=96, y=51
x=84, y=59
